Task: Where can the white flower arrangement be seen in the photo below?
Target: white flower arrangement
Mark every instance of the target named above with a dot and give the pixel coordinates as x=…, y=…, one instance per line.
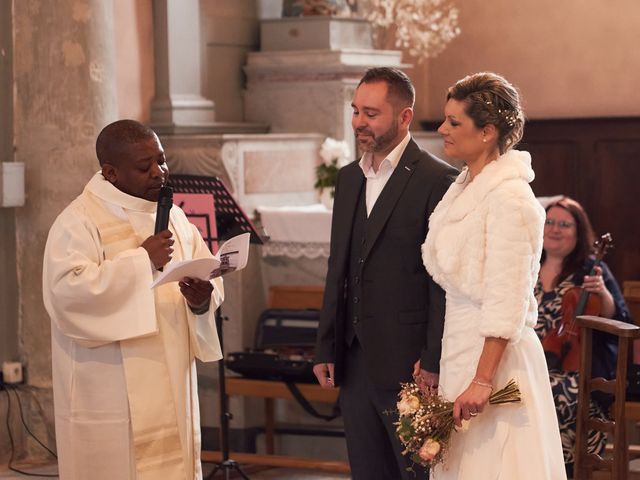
x=423, y=28
x=335, y=154
x=332, y=149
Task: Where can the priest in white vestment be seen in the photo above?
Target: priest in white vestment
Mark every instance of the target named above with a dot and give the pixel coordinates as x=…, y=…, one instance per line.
x=124, y=378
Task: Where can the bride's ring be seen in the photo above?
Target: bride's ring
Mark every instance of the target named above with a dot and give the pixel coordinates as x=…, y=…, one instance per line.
x=473, y=414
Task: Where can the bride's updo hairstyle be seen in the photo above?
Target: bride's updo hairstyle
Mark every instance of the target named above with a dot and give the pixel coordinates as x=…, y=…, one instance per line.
x=491, y=99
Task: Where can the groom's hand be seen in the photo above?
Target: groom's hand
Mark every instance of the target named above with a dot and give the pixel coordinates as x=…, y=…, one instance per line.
x=324, y=374
x=427, y=381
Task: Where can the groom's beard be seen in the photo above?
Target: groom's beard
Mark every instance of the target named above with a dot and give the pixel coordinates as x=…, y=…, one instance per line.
x=373, y=144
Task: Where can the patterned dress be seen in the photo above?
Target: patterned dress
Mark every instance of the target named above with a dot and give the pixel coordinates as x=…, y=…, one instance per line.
x=564, y=385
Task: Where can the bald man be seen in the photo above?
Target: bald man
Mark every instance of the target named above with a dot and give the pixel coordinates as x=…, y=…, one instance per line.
x=124, y=379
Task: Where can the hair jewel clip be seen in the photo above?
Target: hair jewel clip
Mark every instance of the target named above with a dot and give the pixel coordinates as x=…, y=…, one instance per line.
x=508, y=116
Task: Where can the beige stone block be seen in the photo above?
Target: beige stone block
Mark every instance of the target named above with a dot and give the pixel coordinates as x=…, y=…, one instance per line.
x=309, y=90
x=315, y=32
x=279, y=171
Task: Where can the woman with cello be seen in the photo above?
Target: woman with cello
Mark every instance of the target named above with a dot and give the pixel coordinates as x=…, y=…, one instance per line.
x=568, y=272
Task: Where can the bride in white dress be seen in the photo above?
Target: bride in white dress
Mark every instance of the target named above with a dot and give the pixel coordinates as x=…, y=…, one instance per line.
x=483, y=248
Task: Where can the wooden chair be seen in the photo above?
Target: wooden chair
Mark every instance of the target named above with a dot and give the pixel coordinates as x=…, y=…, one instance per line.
x=586, y=463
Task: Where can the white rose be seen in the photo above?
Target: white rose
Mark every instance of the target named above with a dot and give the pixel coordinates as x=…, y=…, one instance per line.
x=408, y=405
x=333, y=149
x=430, y=448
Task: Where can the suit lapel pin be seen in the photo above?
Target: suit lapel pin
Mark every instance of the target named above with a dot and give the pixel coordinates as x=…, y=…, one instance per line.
x=407, y=168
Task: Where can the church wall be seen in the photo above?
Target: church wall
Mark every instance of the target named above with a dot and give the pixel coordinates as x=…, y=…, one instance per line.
x=230, y=30
x=569, y=58
x=565, y=58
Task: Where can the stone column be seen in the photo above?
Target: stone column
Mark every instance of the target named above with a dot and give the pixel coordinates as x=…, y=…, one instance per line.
x=64, y=94
x=179, y=106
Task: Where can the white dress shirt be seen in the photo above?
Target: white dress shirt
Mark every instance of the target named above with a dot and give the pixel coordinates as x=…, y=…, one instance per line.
x=377, y=180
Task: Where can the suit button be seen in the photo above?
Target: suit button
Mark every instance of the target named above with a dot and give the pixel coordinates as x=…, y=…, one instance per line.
x=361, y=261
x=356, y=280
x=355, y=320
x=356, y=299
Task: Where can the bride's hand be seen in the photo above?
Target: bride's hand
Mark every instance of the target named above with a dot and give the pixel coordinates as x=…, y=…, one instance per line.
x=471, y=402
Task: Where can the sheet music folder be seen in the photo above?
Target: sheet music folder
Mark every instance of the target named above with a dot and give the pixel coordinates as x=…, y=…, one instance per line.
x=230, y=218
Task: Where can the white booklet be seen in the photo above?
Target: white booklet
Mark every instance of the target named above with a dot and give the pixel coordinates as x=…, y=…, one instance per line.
x=232, y=256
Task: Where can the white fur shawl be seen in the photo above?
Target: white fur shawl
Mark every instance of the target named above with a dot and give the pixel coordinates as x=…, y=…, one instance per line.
x=485, y=241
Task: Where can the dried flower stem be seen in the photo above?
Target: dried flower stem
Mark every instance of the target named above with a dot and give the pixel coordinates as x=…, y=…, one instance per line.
x=509, y=394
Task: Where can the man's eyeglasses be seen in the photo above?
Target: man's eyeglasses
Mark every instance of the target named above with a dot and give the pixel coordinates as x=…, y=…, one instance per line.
x=564, y=225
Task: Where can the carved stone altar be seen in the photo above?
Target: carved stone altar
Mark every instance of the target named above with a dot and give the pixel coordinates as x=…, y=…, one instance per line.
x=267, y=169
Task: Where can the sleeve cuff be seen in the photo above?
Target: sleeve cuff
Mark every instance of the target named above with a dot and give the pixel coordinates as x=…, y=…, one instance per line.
x=204, y=308
x=324, y=354
x=430, y=361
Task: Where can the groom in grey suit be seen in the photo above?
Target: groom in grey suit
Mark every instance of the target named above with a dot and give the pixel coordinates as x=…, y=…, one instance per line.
x=382, y=316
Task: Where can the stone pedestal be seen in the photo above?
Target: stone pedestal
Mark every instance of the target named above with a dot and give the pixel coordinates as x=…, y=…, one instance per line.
x=309, y=90
x=315, y=33
x=304, y=78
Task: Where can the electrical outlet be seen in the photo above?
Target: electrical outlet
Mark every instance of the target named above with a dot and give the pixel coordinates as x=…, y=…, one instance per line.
x=12, y=372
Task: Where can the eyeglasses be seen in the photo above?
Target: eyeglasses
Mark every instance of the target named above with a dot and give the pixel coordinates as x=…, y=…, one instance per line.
x=564, y=225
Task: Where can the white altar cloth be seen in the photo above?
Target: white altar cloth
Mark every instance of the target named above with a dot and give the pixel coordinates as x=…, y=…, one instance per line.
x=296, y=231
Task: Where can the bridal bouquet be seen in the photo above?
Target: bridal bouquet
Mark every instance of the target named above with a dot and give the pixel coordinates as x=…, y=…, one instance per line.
x=425, y=422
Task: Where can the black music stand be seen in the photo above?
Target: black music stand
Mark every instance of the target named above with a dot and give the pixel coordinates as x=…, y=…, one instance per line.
x=230, y=220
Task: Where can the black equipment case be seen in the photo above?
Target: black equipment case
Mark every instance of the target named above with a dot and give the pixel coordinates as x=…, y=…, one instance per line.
x=283, y=349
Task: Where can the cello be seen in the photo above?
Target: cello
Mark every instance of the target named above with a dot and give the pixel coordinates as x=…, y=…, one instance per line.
x=561, y=345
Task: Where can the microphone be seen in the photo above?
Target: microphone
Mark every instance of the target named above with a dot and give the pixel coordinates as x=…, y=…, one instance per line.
x=165, y=202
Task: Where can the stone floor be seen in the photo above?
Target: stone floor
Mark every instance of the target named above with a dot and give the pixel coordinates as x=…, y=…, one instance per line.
x=268, y=474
